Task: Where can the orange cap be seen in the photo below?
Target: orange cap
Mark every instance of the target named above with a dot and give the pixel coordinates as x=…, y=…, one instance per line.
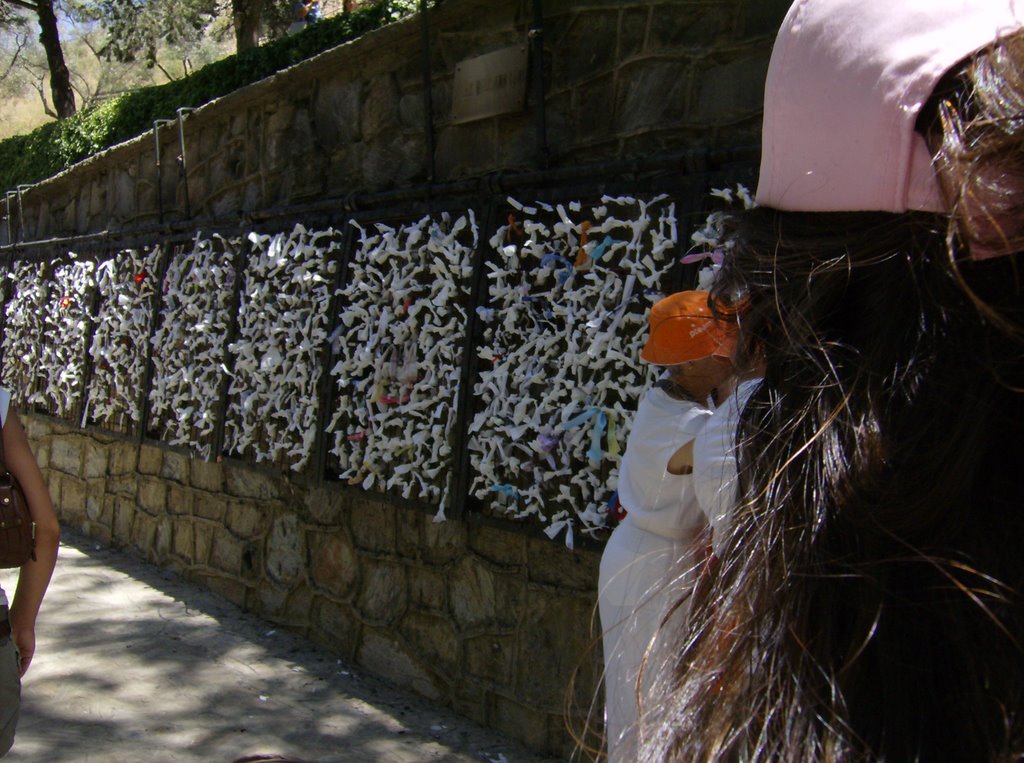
x=683, y=327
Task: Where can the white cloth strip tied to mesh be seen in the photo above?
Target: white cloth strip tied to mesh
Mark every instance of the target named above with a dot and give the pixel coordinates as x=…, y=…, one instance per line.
x=24, y=326
x=560, y=369
x=123, y=324
x=190, y=342
x=397, y=355
x=273, y=402
x=62, y=362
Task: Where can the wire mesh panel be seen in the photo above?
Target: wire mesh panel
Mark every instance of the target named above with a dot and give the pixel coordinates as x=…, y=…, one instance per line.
x=398, y=352
x=124, y=317
x=272, y=396
x=24, y=325
x=64, y=343
x=568, y=290
x=190, y=343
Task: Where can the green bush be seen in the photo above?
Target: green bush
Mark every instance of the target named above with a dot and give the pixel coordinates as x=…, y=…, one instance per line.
x=55, y=146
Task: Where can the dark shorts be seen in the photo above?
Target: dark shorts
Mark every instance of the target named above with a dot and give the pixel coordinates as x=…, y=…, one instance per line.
x=10, y=692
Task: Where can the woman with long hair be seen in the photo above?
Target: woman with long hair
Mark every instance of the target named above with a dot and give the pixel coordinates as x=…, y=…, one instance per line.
x=866, y=600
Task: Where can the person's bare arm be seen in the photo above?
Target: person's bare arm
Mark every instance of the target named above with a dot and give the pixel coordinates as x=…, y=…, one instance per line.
x=681, y=461
x=34, y=576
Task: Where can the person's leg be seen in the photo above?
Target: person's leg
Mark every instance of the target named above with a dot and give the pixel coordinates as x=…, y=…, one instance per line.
x=634, y=565
x=10, y=691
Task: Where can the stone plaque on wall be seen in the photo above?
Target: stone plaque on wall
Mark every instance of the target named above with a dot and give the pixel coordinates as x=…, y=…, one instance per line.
x=491, y=84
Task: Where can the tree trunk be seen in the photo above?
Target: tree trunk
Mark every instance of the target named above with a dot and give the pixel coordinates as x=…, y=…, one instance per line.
x=60, y=77
x=246, y=14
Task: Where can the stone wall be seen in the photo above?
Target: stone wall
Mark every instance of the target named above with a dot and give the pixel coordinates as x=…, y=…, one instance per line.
x=622, y=80
x=485, y=619
x=472, y=613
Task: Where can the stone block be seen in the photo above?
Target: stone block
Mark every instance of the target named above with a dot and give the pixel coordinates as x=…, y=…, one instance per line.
x=123, y=518
x=335, y=566
x=762, y=19
x=246, y=483
x=42, y=453
x=270, y=600
x=179, y=500
x=433, y=641
x=233, y=590
x=66, y=455
x=211, y=507
x=379, y=109
x=554, y=565
x=183, y=540
x=501, y=547
x=587, y=46
x=336, y=113
x=96, y=491
x=428, y=589
x=98, y=532
x=383, y=595
x=108, y=511
x=479, y=596
x=443, y=542
x=124, y=458
x=95, y=461
x=594, y=97
x=373, y=526
x=245, y=519
x=385, y=656
x=687, y=28
x=652, y=94
x=227, y=552
x=286, y=550
x=204, y=533
x=126, y=485
x=472, y=701
x=633, y=27
x=489, y=657
x=730, y=91
x=299, y=607
x=207, y=475
x=326, y=506
x=543, y=674
x=466, y=149
x=161, y=548
x=72, y=498
x=336, y=626
x=150, y=459
x=153, y=496
x=524, y=722
x=175, y=467
x=410, y=532
x=143, y=535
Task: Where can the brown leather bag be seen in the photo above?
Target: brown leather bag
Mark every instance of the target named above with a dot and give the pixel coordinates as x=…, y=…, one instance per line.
x=17, y=530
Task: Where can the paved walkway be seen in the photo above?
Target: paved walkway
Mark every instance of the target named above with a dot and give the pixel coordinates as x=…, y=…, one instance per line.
x=134, y=665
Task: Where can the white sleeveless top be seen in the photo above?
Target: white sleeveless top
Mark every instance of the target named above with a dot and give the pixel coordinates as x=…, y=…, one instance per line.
x=714, y=462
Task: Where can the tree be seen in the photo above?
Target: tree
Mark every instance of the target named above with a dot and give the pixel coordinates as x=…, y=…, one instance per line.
x=138, y=30
x=60, y=78
x=247, y=16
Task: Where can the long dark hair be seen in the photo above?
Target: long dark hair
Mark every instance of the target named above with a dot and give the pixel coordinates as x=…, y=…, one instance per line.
x=867, y=602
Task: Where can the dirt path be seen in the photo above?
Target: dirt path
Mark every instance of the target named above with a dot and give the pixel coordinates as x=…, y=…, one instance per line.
x=134, y=665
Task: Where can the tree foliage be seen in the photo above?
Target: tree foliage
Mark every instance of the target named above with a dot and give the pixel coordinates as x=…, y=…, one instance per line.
x=57, y=145
x=13, y=15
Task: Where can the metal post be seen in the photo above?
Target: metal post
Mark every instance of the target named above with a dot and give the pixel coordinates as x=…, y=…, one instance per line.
x=184, y=162
x=21, y=211
x=428, y=101
x=537, y=61
x=7, y=199
x=157, y=124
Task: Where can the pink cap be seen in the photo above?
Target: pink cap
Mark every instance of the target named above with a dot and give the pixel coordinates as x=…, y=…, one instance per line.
x=845, y=84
